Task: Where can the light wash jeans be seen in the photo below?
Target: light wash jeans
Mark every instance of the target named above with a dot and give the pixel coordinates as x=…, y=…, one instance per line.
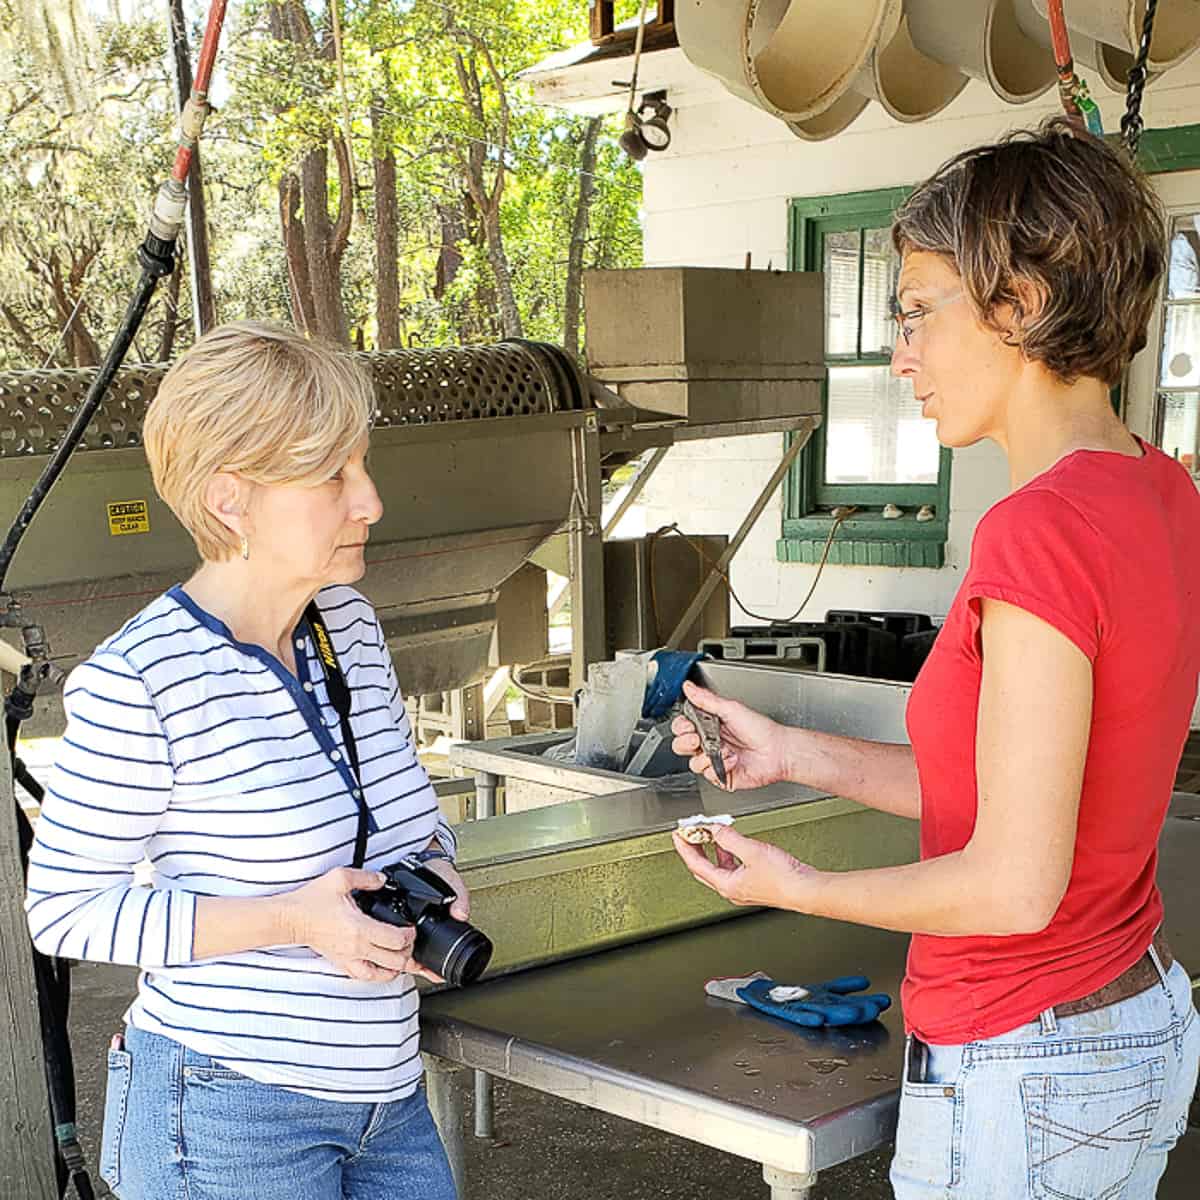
x=179, y=1126
x=1072, y=1108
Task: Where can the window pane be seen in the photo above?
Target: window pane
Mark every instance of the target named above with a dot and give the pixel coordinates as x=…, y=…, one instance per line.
x=875, y=432
x=1183, y=276
x=1179, y=410
x=1181, y=346
x=881, y=270
x=841, y=292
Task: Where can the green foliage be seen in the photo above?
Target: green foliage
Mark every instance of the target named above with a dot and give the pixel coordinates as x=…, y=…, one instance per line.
x=82, y=182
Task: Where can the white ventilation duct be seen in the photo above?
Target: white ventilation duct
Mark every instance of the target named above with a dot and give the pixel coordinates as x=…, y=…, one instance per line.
x=841, y=114
x=793, y=58
x=907, y=83
x=983, y=38
x=815, y=64
x=1119, y=23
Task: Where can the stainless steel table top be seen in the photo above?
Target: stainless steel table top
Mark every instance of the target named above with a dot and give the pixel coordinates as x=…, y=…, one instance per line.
x=631, y=1031
x=653, y=808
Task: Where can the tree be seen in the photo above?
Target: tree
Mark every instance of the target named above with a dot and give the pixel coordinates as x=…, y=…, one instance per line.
x=313, y=241
x=579, y=228
x=478, y=211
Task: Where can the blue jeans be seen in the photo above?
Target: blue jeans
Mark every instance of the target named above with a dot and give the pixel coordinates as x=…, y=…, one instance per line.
x=178, y=1126
x=1065, y=1108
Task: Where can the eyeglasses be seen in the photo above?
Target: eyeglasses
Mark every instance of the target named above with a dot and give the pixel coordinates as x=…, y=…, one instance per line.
x=905, y=320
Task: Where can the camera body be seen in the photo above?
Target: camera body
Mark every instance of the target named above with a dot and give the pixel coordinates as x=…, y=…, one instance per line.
x=416, y=896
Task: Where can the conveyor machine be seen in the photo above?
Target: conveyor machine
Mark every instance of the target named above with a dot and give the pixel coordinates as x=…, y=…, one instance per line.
x=481, y=454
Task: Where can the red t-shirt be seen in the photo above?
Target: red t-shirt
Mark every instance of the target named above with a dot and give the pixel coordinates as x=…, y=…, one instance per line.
x=1102, y=547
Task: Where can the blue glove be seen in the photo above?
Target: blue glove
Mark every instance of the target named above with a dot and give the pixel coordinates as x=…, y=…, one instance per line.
x=667, y=685
x=827, y=1003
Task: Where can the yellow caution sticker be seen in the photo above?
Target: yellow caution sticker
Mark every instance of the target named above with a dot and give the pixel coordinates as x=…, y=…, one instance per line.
x=128, y=516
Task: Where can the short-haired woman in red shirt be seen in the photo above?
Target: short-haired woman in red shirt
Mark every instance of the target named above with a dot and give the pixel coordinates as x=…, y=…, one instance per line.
x=1053, y=1041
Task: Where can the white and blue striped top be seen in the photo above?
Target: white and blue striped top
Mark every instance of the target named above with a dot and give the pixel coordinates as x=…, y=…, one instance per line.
x=208, y=757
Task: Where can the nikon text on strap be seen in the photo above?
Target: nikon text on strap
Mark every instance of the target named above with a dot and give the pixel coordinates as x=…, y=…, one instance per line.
x=339, y=697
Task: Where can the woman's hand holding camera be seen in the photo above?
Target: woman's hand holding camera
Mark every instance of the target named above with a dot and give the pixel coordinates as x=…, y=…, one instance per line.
x=443, y=867
x=322, y=915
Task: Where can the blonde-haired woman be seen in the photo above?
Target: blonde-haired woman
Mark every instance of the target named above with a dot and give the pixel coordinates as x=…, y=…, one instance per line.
x=272, y=1046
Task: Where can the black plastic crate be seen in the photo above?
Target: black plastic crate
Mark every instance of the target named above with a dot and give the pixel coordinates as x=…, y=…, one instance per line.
x=900, y=624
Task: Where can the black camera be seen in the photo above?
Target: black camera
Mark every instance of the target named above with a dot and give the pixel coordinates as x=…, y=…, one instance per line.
x=414, y=895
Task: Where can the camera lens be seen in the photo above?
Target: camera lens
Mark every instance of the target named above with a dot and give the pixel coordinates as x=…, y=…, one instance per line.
x=458, y=952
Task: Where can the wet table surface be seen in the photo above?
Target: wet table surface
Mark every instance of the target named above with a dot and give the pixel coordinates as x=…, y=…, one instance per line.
x=631, y=1031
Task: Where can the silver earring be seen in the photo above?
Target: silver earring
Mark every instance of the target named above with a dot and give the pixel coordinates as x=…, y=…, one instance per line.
x=245, y=546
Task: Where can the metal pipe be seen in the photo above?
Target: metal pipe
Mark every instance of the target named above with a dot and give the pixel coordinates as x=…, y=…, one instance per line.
x=191, y=120
x=799, y=441
x=484, y=1117
x=635, y=488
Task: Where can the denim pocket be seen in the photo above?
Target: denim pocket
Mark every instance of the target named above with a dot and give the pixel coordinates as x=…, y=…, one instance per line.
x=116, y=1101
x=1084, y=1131
x=928, y=1138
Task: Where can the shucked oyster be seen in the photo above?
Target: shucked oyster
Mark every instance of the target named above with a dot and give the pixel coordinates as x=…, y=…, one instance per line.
x=699, y=829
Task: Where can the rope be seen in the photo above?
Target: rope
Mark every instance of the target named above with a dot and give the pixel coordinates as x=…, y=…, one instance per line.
x=1131, y=123
x=637, y=57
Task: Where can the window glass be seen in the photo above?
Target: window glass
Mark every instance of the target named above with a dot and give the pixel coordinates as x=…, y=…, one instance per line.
x=1179, y=355
x=874, y=432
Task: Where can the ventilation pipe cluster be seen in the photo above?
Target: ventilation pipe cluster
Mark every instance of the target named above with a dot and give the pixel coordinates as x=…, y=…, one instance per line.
x=817, y=64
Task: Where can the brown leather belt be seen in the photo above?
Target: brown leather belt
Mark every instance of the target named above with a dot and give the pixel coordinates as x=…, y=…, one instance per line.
x=1131, y=982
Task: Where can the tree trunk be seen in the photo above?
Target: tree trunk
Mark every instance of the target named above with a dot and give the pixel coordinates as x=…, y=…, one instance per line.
x=579, y=229
x=453, y=227
x=166, y=341
x=387, y=254
x=474, y=162
x=304, y=316
x=510, y=315
x=323, y=265
x=30, y=346
x=313, y=242
x=204, y=304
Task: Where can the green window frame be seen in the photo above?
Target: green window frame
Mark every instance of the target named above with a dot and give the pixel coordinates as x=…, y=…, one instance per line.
x=865, y=538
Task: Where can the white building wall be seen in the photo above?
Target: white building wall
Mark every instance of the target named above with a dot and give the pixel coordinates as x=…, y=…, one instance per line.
x=721, y=191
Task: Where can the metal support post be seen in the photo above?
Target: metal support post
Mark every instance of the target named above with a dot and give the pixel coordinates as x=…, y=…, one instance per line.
x=467, y=720
x=485, y=794
x=26, y=1147
x=788, y=1185
x=635, y=489
x=484, y=1122
x=799, y=441
x=445, y=1086
x=586, y=542
x=485, y=806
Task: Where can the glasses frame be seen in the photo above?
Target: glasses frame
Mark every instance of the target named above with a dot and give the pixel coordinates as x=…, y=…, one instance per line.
x=904, y=319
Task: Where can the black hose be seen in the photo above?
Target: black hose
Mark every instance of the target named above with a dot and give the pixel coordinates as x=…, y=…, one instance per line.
x=158, y=259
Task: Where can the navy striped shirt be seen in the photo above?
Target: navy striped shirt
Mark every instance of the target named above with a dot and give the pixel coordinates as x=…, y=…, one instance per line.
x=208, y=758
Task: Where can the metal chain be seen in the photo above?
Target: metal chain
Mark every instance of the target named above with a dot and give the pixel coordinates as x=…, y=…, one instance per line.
x=1131, y=122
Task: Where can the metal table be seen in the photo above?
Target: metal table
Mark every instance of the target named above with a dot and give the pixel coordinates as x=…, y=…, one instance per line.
x=630, y=1031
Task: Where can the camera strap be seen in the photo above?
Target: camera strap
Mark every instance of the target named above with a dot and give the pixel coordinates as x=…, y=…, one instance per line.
x=339, y=697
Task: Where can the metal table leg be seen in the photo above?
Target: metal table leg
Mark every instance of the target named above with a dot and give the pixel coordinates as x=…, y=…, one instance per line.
x=788, y=1185
x=485, y=794
x=485, y=806
x=484, y=1125
x=445, y=1085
